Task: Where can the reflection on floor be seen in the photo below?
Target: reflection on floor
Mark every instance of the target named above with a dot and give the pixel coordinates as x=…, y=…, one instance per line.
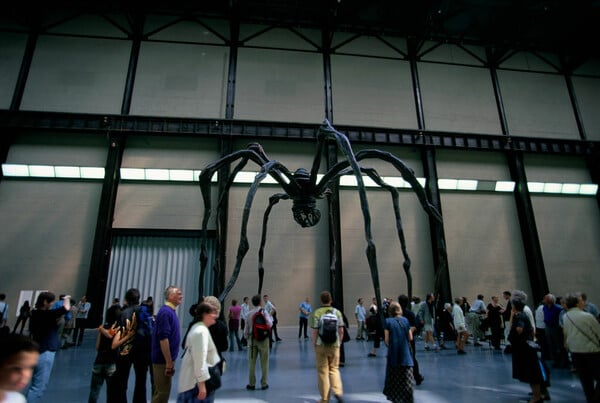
x=482, y=375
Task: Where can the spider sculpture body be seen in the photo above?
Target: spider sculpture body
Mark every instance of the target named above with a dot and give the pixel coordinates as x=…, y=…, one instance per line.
x=303, y=189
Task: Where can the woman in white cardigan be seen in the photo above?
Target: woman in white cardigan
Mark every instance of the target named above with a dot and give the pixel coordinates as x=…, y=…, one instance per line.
x=199, y=355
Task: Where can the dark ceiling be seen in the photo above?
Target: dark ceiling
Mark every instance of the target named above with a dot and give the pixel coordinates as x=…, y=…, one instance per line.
x=570, y=28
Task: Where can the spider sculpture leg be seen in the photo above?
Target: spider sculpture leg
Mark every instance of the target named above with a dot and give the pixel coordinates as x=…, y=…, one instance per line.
x=327, y=131
x=254, y=153
x=243, y=247
x=273, y=200
x=342, y=168
x=372, y=173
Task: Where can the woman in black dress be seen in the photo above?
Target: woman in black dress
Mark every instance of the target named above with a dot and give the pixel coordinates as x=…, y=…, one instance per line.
x=526, y=366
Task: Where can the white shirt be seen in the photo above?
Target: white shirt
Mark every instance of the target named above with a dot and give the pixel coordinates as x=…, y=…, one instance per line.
x=83, y=310
x=200, y=353
x=539, y=317
x=458, y=317
x=269, y=308
x=13, y=397
x=478, y=306
x=245, y=310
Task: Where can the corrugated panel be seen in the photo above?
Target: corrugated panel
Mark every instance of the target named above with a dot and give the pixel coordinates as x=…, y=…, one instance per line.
x=150, y=264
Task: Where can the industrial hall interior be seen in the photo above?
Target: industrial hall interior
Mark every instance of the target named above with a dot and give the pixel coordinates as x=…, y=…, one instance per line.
x=434, y=149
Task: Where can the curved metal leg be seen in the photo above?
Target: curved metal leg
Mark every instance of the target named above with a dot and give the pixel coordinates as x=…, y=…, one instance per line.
x=273, y=200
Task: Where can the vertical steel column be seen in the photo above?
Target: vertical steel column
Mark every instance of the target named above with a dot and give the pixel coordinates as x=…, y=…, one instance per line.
x=336, y=281
x=226, y=147
x=8, y=136
x=99, y=265
x=529, y=234
x=436, y=229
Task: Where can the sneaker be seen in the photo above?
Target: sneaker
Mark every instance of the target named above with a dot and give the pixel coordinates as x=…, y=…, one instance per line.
x=250, y=387
x=372, y=355
x=461, y=352
x=339, y=399
x=265, y=387
x=427, y=348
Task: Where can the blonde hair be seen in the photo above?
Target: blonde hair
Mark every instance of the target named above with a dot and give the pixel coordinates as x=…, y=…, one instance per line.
x=214, y=302
x=394, y=309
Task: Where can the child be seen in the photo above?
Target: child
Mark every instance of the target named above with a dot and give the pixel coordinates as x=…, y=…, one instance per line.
x=18, y=357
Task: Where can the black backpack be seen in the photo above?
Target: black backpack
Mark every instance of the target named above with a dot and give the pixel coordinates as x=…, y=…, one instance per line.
x=328, y=327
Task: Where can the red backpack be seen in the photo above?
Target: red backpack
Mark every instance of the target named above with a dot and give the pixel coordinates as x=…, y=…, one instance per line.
x=260, y=326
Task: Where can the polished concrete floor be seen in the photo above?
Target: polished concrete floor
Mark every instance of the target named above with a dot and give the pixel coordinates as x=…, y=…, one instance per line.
x=483, y=375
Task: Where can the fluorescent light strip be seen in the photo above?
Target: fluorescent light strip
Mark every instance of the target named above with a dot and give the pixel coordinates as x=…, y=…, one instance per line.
x=188, y=175
x=505, y=186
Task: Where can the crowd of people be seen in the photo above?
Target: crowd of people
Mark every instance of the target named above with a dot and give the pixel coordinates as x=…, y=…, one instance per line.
x=561, y=332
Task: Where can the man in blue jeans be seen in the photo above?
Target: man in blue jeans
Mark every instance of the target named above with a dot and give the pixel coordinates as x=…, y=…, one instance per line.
x=44, y=330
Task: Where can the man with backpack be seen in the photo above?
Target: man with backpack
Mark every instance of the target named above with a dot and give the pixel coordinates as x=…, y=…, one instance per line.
x=257, y=332
x=328, y=327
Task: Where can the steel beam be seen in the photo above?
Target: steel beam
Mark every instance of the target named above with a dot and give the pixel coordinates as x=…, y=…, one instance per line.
x=140, y=125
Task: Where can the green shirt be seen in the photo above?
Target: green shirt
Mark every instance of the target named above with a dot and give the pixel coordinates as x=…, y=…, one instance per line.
x=314, y=322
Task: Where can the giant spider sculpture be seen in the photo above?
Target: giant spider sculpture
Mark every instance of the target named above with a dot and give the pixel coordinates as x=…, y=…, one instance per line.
x=303, y=189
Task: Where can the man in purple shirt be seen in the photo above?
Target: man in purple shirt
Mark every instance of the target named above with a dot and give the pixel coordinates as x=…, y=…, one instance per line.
x=554, y=337
x=166, y=338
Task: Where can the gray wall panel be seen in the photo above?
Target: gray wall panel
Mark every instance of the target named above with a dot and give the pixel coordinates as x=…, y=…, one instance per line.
x=587, y=92
x=471, y=165
x=278, y=85
x=158, y=206
x=458, y=98
x=537, y=105
x=560, y=169
x=12, y=48
x=77, y=75
x=569, y=237
x=372, y=92
x=485, y=251
x=181, y=80
x=67, y=150
x=48, y=233
x=357, y=276
x=169, y=153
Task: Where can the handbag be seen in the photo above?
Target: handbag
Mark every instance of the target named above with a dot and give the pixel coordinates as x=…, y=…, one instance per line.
x=214, y=382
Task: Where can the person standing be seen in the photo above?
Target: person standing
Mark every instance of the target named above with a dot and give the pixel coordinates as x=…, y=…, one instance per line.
x=412, y=321
x=361, y=315
x=553, y=331
x=399, y=365
x=494, y=319
x=165, y=344
x=235, y=312
x=426, y=317
x=257, y=347
x=200, y=354
x=582, y=337
x=134, y=341
x=474, y=317
x=526, y=367
x=272, y=311
x=458, y=317
x=305, y=310
x=83, y=309
x=3, y=314
x=327, y=355
x=44, y=331
x=506, y=316
x=243, y=318
x=105, y=364
x=24, y=315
